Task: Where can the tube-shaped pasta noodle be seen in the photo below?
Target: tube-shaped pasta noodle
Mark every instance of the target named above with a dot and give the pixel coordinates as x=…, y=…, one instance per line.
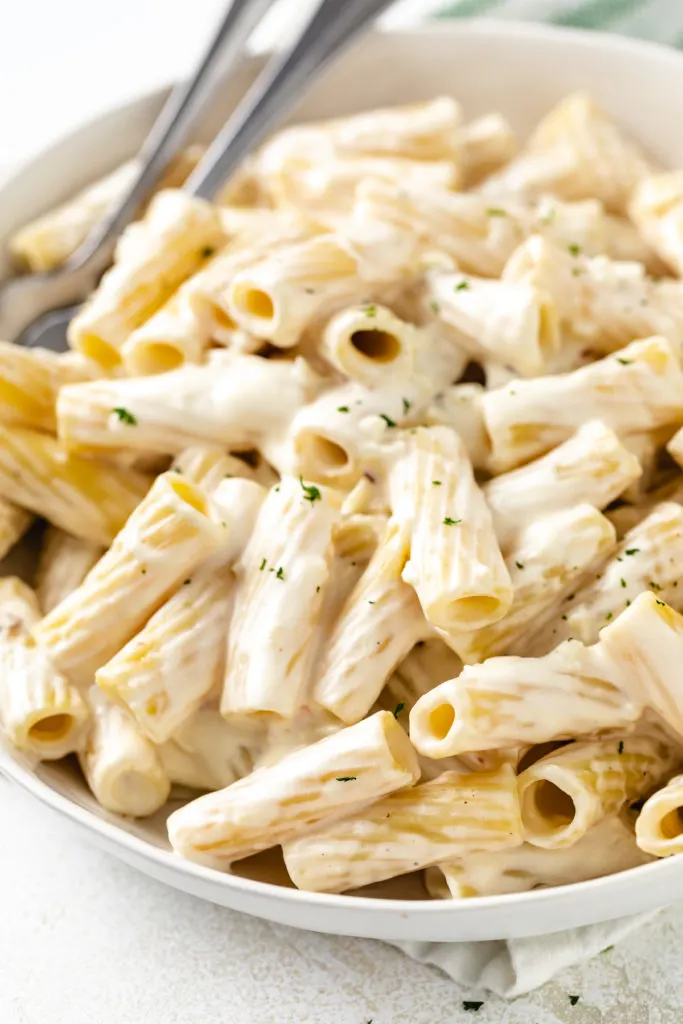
x=425, y=131
x=656, y=208
x=606, y=848
x=455, y=563
x=481, y=237
x=168, y=535
x=334, y=776
x=550, y=556
x=41, y=712
x=348, y=429
x=508, y=701
x=152, y=258
x=379, y=624
x=371, y=345
x=565, y=793
x=643, y=649
x=207, y=752
x=638, y=388
x=47, y=243
x=600, y=301
x=594, y=467
x=164, y=673
x=279, y=296
x=648, y=446
x=411, y=829
x=576, y=152
x=120, y=765
x=659, y=826
x=64, y=563
x=207, y=467
x=649, y=556
x=181, y=330
x=18, y=603
x=14, y=522
x=486, y=144
x=88, y=499
x=167, y=669
x=328, y=186
x=29, y=381
x=233, y=401
x=460, y=407
x=515, y=323
x=284, y=736
x=289, y=554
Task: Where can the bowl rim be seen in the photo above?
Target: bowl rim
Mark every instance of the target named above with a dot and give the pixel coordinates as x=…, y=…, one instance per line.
x=166, y=859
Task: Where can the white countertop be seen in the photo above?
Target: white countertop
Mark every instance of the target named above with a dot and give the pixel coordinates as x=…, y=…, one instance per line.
x=85, y=939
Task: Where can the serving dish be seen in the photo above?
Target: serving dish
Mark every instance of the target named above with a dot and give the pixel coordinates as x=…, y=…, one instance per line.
x=521, y=71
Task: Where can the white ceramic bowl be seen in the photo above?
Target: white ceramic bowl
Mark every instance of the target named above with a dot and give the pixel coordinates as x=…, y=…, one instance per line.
x=521, y=70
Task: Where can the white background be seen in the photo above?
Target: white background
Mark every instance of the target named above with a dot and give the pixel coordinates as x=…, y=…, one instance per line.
x=86, y=940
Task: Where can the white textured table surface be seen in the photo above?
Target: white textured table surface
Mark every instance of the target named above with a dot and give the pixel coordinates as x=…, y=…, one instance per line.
x=83, y=938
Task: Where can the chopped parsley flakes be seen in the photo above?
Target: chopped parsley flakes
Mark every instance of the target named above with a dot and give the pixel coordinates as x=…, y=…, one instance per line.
x=574, y=1000
x=342, y=408
x=280, y=574
x=473, y=1005
x=620, y=748
x=519, y=565
x=125, y=416
x=495, y=211
x=387, y=419
x=311, y=492
x=406, y=406
x=461, y=286
x=369, y=311
x=436, y=483
x=451, y=522
x=574, y=249
x=399, y=708
x=631, y=551
x=346, y=778
x=262, y=565
x=624, y=362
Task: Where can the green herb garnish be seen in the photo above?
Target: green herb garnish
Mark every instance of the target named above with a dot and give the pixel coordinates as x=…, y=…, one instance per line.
x=311, y=492
x=280, y=574
x=399, y=708
x=347, y=778
x=342, y=408
x=387, y=419
x=451, y=522
x=461, y=286
x=125, y=416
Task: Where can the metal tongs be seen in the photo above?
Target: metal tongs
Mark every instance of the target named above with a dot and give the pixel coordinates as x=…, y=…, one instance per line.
x=36, y=309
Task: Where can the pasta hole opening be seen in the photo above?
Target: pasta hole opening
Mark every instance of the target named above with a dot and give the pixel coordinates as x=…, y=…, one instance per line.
x=550, y=807
x=254, y=302
x=473, y=611
x=100, y=351
x=440, y=721
x=379, y=346
x=322, y=457
x=191, y=495
x=157, y=357
x=222, y=319
x=671, y=825
x=51, y=729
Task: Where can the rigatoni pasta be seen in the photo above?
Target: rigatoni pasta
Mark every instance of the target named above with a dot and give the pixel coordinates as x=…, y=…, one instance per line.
x=333, y=477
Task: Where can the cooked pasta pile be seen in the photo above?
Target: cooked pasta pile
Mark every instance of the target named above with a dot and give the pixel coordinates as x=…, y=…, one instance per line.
x=365, y=506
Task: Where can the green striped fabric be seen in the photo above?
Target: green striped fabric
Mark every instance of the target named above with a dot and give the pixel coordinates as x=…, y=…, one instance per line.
x=658, y=20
